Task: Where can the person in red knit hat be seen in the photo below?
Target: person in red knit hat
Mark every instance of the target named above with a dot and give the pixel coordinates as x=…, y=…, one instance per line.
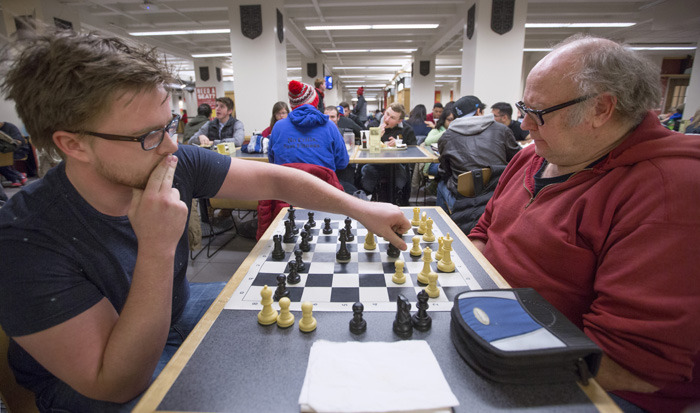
x=300, y=94
x=360, y=108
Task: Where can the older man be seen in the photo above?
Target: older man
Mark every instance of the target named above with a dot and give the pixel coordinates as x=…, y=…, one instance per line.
x=600, y=217
x=93, y=286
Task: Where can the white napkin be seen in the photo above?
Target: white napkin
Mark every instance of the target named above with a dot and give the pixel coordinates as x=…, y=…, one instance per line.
x=374, y=377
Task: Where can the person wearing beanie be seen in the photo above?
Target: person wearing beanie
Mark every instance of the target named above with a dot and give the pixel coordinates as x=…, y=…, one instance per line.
x=474, y=140
x=360, y=109
x=306, y=135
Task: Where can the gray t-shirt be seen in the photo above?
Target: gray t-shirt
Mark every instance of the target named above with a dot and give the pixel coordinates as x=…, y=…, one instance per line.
x=61, y=256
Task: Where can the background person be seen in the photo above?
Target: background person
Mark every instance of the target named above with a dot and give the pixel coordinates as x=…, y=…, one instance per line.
x=280, y=111
x=203, y=116
x=223, y=128
x=503, y=113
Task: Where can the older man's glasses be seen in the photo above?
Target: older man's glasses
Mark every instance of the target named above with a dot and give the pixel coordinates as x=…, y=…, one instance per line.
x=536, y=114
x=149, y=140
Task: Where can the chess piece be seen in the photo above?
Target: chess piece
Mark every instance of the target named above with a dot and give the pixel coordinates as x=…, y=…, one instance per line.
x=348, y=230
x=292, y=218
x=441, y=249
x=421, y=320
x=432, y=288
x=309, y=235
x=277, y=251
x=288, y=233
x=311, y=221
x=393, y=251
x=423, y=220
x=446, y=264
x=429, y=236
x=416, y=217
x=304, y=244
x=427, y=259
x=343, y=255
x=307, y=323
x=301, y=265
x=293, y=277
x=358, y=325
x=267, y=315
x=399, y=277
x=402, y=324
x=286, y=318
x=327, y=226
x=416, y=251
x=281, y=290
x=370, y=243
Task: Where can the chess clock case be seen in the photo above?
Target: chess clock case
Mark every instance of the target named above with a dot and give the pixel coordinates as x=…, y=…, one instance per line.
x=578, y=359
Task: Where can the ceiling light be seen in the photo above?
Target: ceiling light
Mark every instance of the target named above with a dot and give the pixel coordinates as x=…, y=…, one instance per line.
x=203, y=55
x=293, y=68
x=448, y=67
x=669, y=48
x=148, y=5
x=390, y=68
x=368, y=50
x=574, y=25
x=180, y=32
x=373, y=26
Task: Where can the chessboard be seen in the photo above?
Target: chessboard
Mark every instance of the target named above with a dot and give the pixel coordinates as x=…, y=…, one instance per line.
x=367, y=277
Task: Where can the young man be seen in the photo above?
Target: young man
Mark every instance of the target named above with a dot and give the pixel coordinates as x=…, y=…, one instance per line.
x=93, y=290
x=503, y=113
x=432, y=117
x=600, y=216
x=223, y=128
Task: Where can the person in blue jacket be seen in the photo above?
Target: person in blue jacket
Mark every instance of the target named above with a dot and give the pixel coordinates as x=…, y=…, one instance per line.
x=306, y=135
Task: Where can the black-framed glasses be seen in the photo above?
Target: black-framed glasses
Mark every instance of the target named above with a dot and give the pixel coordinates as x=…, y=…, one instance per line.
x=537, y=114
x=149, y=140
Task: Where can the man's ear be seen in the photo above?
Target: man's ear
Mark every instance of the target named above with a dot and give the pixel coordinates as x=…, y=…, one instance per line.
x=604, y=109
x=72, y=145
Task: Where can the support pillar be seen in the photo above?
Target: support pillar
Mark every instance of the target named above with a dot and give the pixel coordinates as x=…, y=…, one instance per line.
x=422, y=85
x=259, y=64
x=491, y=62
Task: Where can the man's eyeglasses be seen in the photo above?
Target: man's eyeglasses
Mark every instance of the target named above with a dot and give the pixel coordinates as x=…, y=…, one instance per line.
x=537, y=114
x=149, y=140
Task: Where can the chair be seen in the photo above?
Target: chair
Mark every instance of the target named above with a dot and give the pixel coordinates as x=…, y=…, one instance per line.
x=470, y=183
x=15, y=397
x=211, y=231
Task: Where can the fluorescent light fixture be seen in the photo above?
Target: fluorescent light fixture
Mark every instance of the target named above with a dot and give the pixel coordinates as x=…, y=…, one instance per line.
x=368, y=50
x=448, y=67
x=669, y=48
x=180, y=32
x=293, y=68
x=448, y=75
x=364, y=76
x=366, y=98
x=373, y=26
x=391, y=68
x=203, y=55
x=575, y=25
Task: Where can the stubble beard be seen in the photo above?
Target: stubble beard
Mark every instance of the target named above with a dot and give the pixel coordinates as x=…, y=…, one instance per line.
x=120, y=176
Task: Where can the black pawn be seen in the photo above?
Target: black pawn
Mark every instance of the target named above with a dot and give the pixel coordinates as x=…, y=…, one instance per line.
x=311, y=221
x=393, y=251
x=288, y=232
x=292, y=218
x=421, y=320
x=277, y=252
x=343, y=254
x=348, y=230
x=307, y=228
x=293, y=277
x=304, y=244
x=402, y=325
x=281, y=290
x=301, y=267
x=327, y=226
x=358, y=325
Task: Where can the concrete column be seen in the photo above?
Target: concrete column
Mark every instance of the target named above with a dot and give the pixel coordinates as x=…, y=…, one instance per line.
x=259, y=65
x=206, y=91
x=692, y=94
x=492, y=63
x=422, y=87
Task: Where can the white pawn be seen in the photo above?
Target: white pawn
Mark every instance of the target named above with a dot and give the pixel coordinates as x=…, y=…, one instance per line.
x=370, y=244
x=307, y=323
x=286, y=318
x=446, y=264
x=399, y=277
x=416, y=217
x=429, y=236
x=441, y=249
x=267, y=315
x=427, y=259
x=432, y=288
x=416, y=251
x=421, y=226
